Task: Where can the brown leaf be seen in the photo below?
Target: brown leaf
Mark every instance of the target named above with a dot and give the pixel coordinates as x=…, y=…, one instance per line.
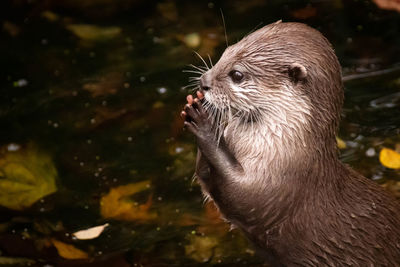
x=68, y=251
x=108, y=84
x=305, y=13
x=118, y=205
x=388, y=4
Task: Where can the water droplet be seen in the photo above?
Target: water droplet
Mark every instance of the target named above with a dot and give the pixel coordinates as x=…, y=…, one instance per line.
x=159, y=198
x=130, y=138
x=104, y=103
x=13, y=147
x=55, y=125
x=370, y=152
x=44, y=41
x=377, y=176
x=74, y=93
x=126, y=85
x=210, y=5
x=162, y=90
x=20, y=83
x=81, y=163
x=92, y=54
x=92, y=121
x=89, y=141
x=142, y=79
x=179, y=149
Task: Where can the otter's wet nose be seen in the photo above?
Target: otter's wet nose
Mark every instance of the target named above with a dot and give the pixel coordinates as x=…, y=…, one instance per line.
x=204, y=85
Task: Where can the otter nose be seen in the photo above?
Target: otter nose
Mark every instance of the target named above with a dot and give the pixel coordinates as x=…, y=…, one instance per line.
x=204, y=84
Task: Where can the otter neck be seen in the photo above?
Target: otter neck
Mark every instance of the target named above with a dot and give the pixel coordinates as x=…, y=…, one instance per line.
x=273, y=153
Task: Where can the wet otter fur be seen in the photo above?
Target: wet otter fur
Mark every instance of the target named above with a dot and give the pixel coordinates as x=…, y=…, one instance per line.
x=265, y=122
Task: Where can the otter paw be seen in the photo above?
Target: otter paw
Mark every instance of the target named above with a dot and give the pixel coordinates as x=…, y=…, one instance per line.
x=196, y=119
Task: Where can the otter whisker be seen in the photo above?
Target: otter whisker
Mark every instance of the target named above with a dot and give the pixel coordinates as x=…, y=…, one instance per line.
x=191, y=79
x=199, y=68
x=193, y=71
x=223, y=22
x=205, y=63
x=191, y=87
x=209, y=58
x=193, y=82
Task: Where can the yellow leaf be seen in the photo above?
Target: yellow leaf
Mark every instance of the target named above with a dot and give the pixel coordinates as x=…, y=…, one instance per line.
x=90, y=233
x=340, y=143
x=117, y=204
x=389, y=158
x=26, y=175
x=68, y=251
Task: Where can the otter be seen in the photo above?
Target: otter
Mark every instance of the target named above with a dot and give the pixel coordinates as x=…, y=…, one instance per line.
x=265, y=120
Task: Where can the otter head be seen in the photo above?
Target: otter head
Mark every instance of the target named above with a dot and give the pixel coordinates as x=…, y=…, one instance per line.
x=284, y=78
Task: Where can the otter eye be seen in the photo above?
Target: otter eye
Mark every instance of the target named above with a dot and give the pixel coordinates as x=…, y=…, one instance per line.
x=236, y=76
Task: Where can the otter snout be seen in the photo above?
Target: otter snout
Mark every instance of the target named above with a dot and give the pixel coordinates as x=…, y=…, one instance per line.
x=205, y=82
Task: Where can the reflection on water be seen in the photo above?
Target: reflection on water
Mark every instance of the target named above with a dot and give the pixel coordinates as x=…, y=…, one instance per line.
x=91, y=137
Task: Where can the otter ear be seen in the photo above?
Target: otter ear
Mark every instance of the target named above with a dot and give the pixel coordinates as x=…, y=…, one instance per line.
x=297, y=72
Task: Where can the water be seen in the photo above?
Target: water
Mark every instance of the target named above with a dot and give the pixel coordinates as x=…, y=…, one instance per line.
x=101, y=104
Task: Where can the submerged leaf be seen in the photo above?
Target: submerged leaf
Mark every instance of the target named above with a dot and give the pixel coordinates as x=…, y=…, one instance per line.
x=118, y=205
x=389, y=158
x=26, y=175
x=93, y=32
x=4, y=261
x=68, y=251
x=90, y=233
x=201, y=248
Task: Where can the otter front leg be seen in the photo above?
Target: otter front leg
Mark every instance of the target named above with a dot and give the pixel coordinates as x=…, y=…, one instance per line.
x=216, y=154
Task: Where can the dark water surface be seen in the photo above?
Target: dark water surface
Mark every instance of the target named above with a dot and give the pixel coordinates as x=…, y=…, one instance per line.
x=90, y=132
